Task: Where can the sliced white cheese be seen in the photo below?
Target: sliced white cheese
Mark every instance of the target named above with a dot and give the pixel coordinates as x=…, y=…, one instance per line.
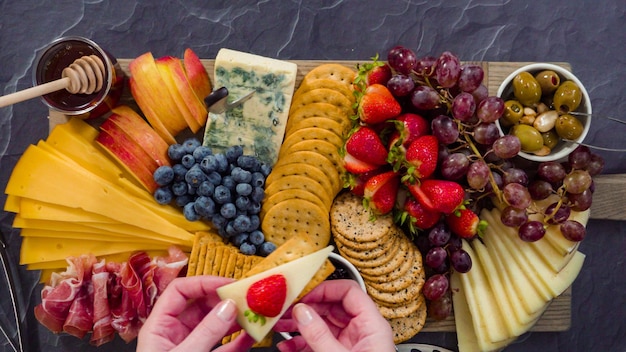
x=465, y=334
x=297, y=273
x=259, y=123
x=555, y=237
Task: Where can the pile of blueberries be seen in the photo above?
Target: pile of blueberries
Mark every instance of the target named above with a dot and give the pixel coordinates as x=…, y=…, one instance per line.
x=226, y=188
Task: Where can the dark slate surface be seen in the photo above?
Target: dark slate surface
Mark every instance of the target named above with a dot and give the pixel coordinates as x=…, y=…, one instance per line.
x=589, y=35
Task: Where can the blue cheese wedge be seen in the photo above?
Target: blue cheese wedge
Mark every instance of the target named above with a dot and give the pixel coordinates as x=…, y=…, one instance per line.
x=297, y=273
x=259, y=123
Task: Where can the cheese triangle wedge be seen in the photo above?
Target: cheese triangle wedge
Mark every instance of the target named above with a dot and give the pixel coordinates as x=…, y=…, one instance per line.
x=297, y=273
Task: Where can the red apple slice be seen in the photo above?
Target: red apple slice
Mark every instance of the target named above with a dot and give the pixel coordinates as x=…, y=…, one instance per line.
x=140, y=131
x=197, y=74
x=191, y=106
x=125, y=152
x=152, y=95
x=151, y=115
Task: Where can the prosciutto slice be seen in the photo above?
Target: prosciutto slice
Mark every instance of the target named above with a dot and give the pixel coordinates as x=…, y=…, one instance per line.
x=106, y=298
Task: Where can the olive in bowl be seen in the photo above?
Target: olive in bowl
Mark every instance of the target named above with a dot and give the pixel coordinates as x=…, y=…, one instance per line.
x=547, y=108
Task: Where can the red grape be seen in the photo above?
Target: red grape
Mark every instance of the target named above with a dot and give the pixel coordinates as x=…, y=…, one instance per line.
x=490, y=109
x=507, y=146
x=435, y=287
x=400, y=85
x=444, y=129
x=532, y=231
x=513, y=217
x=425, y=98
x=461, y=261
x=463, y=107
x=516, y=195
x=448, y=69
x=573, y=230
x=402, y=59
x=471, y=77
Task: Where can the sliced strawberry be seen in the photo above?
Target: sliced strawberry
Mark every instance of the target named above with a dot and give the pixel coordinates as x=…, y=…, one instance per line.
x=356, y=166
x=381, y=191
x=357, y=182
x=421, y=156
x=266, y=297
x=378, y=105
x=411, y=127
x=365, y=145
x=420, y=217
x=439, y=195
x=465, y=223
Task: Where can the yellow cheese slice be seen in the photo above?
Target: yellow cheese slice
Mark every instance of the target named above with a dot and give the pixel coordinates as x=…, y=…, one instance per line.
x=297, y=273
x=76, y=231
x=41, y=176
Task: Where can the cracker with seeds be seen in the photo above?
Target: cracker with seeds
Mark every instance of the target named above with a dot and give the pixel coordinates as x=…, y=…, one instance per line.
x=403, y=310
x=407, y=327
x=414, y=276
x=354, y=222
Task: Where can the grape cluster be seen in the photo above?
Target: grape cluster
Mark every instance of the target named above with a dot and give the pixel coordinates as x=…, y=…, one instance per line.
x=225, y=188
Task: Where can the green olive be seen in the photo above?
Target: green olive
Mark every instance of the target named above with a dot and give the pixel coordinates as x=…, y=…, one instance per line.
x=550, y=139
x=513, y=111
x=526, y=89
x=548, y=81
x=567, y=97
x=568, y=127
x=529, y=137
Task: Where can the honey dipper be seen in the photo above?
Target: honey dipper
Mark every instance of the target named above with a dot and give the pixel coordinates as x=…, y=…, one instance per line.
x=84, y=76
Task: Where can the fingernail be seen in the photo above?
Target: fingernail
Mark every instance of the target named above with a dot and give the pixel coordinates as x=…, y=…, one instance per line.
x=302, y=313
x=226, y=310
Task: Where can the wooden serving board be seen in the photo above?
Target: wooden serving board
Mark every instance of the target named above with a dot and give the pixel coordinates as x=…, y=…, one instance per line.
x=608, y=198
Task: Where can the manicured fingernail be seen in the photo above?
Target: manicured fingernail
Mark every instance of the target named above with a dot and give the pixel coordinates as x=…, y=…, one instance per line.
x=302, y=313
x=226, y=310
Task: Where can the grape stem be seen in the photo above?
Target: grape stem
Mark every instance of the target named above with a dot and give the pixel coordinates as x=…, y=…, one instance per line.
x=492, y=180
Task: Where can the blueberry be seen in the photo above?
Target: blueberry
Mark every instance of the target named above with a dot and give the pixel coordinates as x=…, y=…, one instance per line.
x=206, y=189
x=221, y=195
x=230, y=230
x=247, y=248
x=190, y=145
x=241, y=223
x=228, y=210
x=222, y=232
x=175, y=152
x=183, y=200
x=242, y=203
x=214, y=177
x=229, y=183
x=201, y=152
x=243, y=189
x=195, y=176
x=256, y=237
x=208, y=163
x=233, y=152
x=257, y=194
x=255, y=222
x=204, y=206
x=179, y=172
x=191, y=189
x=248, y=162
x=239, y=239
x=190, y=212
x=179, y=188
x=163, y=175
x=265, y=170
x=163, y=195
x=219, y=221
x=222, y=163
x=254, y=208
x=257, y=179
x=240, y=175
x=188, y=161
x=266, y=248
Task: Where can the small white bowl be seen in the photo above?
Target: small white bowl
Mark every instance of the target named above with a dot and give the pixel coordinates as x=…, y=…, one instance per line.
x=337, y=259
x=563, y=148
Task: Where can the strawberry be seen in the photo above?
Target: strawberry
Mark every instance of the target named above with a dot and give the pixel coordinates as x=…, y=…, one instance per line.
x=465, y=223
x=421, y=156
x=411, y=127
x=266, y=297
x=365, y=145
x=439, y=195
x=357, y=182
x=378, y=105
x=419, y=216
x=381, y=191
x=378, y=75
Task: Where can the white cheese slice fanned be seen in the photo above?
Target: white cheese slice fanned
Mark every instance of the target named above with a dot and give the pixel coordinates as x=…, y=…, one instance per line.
x=297, y=273
x=259, y=123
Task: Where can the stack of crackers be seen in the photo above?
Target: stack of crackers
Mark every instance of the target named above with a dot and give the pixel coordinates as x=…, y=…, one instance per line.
x=307, y=175
x=390, y=264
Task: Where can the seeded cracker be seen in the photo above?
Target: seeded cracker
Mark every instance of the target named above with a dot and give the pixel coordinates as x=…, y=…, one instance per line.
x=403, y=310
x=384, y=249
x=405, y=328
x=353, y=221
x=414, y=276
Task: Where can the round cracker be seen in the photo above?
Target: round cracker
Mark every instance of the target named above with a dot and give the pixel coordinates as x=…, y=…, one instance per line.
x=407, y=327
x=288, y=194
x=296, y=216
x=401, y=311
x=320, y=110
x=353, y=221
x=414, y=276
x=311, y=133
x=392, y=270
x=324, y=148
x=396, y=250
x=318, y=122
x=310, y=84
x=394, y=298
x=334, y=71
x=303, y=169
x=299, y=182
x=371, y=254
x=317, y=160
x=323, y=95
